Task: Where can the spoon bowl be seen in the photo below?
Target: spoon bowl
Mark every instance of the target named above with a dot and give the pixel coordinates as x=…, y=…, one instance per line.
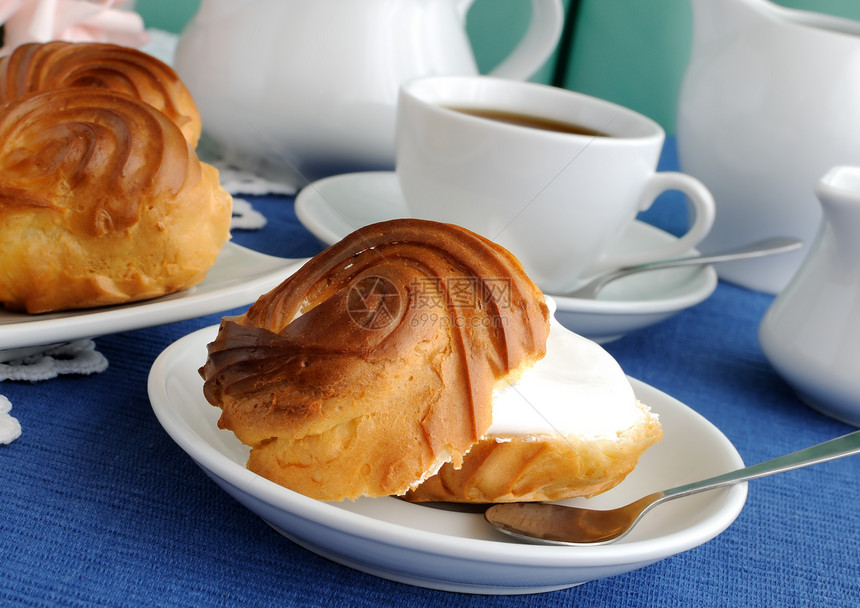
x=563, y=525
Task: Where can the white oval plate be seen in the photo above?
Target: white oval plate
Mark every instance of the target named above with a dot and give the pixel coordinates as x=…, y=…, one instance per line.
x=238, y=277
x=454, y=550
x=335, y=206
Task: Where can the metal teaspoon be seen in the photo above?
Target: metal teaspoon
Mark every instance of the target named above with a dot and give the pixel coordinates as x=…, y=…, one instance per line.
x=771, y=246
x=563, y=525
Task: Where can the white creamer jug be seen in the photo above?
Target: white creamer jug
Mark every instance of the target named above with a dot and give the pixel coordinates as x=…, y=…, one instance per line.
x=811, y=332
x=302, y=89
x=770, y=101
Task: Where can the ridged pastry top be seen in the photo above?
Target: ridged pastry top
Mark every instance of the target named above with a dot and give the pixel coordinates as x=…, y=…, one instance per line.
x=389, y=296
x=90, y=155
x=56, y=65
x=102, y=201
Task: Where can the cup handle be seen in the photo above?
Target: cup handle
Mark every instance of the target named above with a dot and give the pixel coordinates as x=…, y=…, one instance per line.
x=536, y=45
x=702, y=202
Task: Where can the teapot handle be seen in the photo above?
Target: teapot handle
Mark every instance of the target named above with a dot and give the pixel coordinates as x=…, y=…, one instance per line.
x=537, y=44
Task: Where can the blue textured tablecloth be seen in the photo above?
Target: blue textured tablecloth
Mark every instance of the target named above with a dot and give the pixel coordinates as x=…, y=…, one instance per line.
x=100, y=507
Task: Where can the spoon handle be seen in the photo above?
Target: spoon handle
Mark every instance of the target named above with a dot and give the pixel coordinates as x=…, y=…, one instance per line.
x=565, y=525
x=829, y=450
x=771, y=246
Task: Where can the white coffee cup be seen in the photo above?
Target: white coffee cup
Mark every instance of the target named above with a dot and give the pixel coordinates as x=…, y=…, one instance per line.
x=556, y=200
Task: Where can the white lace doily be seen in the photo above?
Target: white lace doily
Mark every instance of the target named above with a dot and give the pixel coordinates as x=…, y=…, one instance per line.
x=79, y=357
x=239, y=181
x=10, y=428
x=245, y=217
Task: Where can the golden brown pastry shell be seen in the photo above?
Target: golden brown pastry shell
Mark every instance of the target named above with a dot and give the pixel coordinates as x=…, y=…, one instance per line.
x=516, y=468
x=102, y=201
x=343, y=401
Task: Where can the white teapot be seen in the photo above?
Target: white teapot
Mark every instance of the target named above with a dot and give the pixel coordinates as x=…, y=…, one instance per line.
x=300, y=89
x=769, y=102
x=811, y=332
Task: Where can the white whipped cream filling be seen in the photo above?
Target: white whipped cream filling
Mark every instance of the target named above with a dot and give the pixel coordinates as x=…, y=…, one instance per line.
x=577, y=389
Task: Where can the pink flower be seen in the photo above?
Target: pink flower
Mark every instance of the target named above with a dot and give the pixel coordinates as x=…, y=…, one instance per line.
x=72, y=20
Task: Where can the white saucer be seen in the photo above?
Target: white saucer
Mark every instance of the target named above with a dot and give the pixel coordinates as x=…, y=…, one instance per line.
x=456, y=550
x=238, y=277
x=333, y=207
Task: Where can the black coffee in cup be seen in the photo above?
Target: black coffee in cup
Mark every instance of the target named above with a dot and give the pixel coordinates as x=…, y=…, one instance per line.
x=533, y=122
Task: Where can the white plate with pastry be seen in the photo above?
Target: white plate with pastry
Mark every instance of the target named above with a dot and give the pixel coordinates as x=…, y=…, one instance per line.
x=455, y=550
x=238, y=277
x=333, y=207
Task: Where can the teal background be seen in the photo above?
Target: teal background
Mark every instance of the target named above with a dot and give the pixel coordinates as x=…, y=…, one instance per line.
x=632, y=52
